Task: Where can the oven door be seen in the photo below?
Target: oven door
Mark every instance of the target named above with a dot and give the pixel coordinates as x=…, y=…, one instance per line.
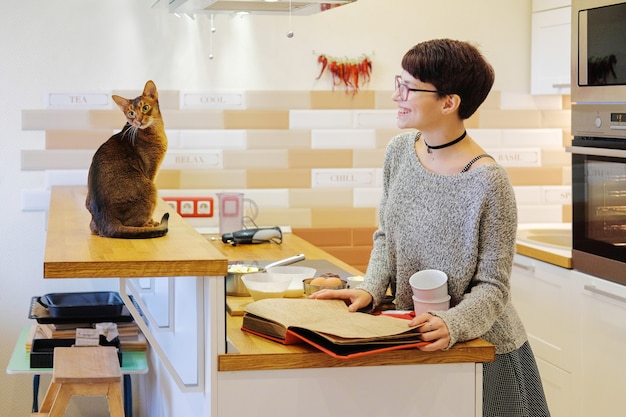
x=599, y=207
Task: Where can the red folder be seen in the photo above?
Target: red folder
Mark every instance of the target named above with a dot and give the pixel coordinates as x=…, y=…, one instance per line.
x=299, y=335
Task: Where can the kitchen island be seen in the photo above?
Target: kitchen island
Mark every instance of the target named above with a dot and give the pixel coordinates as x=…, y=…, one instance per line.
x=300, y=380
x=172, y=286
x=241, y=374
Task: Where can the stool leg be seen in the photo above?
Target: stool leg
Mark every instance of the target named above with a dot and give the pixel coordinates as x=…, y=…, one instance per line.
x=48, y=400
x=35, y=393
x=114, y=397
x=128, y=396
x=61, y=401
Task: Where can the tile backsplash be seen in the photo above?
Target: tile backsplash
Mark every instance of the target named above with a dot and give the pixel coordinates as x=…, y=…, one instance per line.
x=310, y=159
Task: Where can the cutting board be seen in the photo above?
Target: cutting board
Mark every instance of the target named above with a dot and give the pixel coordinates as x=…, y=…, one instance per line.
x=235, y=305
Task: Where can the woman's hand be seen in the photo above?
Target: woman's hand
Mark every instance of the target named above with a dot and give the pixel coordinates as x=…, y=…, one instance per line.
x=433, y=330
x=356, y=299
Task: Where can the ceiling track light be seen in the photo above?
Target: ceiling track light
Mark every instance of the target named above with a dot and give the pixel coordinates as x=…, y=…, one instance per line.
x=211, y=36
x=290, y=32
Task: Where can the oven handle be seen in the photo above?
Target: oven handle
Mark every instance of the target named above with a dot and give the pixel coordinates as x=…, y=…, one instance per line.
x=617, y=153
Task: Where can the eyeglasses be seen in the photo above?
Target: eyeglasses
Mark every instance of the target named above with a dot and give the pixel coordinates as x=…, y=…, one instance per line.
x=404, y=89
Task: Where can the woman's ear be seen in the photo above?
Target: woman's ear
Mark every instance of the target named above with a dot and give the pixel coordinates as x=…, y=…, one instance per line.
x=451, y=103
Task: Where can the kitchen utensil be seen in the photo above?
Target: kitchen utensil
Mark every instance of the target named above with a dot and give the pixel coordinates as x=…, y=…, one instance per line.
x=310, y=288
x=232, y=212
x=354, y=281
x=88, y=304
x=256, y=235
x=266, y=285
x=234, y=284
x=297, y=274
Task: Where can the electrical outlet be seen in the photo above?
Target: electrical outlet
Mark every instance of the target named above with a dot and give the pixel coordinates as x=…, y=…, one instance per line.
x=173, y=204
x=191, y=206
x=187, y=208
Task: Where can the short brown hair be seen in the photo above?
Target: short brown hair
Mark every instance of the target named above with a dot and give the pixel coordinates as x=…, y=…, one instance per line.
x=453, y=67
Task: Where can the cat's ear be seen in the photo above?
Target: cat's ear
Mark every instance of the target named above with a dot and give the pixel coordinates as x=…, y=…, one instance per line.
x=150, y=90
x=121, y=102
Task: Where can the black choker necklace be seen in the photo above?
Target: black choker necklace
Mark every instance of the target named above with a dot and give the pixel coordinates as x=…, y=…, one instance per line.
x=445, y=145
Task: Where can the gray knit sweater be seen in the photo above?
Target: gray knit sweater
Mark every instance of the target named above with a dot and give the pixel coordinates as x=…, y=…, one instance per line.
x=464, y=225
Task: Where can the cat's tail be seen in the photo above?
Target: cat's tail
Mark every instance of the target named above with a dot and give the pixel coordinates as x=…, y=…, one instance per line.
x=146, y=232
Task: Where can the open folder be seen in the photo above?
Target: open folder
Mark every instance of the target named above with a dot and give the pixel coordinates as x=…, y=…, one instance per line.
x=328, y=326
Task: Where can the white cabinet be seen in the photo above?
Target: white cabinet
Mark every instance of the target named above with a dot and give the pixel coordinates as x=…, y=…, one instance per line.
x=540, y=5
x=441, y=390
x=551, y=51
x=546, y=299
x=576, y=325
x=603, y=345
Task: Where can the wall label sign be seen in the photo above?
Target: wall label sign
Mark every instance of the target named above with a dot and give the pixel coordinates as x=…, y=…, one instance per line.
x=214, y=100
x=205, y=159
x=348, y=178
x=556, y=194
x=78, y=100
x=513, y=157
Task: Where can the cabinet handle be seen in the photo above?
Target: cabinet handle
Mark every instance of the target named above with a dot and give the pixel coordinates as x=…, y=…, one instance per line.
x=529, y=268
x=561, y=85
x=596, y=290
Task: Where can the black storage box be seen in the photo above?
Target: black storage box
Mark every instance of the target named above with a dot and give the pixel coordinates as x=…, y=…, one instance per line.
x=83, y=304
x=42, y=350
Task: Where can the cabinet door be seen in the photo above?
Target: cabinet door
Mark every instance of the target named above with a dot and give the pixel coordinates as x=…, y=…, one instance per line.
x=539, y=5
x=559, y=387
x=551, y=51
x=603, y=309
x=545, y=297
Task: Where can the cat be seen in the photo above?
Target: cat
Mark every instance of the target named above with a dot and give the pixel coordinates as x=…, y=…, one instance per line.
x=121, y=194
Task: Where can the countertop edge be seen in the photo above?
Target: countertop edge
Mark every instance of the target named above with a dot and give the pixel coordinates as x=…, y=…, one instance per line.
x=543, y=255
x=474, y=351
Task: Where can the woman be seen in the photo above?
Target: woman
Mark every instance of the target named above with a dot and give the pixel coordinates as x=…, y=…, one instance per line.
x=448, y=205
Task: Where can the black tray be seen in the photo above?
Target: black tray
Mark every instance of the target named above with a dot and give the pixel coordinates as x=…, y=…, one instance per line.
x=73, y=304
x=42, y=350
x=42, y=315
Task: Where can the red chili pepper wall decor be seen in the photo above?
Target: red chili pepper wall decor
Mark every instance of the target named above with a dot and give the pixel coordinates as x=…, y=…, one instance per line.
x=349, y=73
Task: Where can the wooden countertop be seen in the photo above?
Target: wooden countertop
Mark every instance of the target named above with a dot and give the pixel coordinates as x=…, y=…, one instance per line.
x=546, y=242
x=545, y=255
x=73, y=252
x=256, y=353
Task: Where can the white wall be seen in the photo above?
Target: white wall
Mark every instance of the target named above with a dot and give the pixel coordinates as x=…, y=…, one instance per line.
x=82, y=45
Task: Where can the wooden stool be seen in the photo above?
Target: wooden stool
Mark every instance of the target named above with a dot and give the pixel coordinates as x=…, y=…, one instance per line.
x=83, y=371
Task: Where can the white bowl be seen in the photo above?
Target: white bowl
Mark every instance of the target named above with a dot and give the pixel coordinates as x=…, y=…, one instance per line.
x=297, y=275
x=429, y=284
x=354, y=281
x=266, y=285
x=421, y=306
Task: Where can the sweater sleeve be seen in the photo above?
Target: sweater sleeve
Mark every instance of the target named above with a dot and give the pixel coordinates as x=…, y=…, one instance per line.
x=381, y=268
x=488, y=295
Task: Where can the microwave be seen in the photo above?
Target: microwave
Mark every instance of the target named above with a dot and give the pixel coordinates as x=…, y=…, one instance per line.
x=598, y=51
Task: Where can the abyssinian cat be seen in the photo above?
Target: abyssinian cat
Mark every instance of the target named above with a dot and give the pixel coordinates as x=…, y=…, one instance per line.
x=121, y=194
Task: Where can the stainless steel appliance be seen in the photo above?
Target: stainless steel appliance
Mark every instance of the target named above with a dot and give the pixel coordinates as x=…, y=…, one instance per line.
x=598, y=51
x=599, y=190
x=599, y=145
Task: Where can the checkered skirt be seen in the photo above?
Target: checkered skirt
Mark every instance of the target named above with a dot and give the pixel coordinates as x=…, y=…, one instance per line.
x=512, y=386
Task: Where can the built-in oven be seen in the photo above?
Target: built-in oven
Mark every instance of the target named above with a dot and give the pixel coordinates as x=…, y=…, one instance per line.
x=599, y=145
x=599, y=190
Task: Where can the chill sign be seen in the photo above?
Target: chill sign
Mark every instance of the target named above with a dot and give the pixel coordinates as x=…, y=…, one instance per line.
x=343, y=178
